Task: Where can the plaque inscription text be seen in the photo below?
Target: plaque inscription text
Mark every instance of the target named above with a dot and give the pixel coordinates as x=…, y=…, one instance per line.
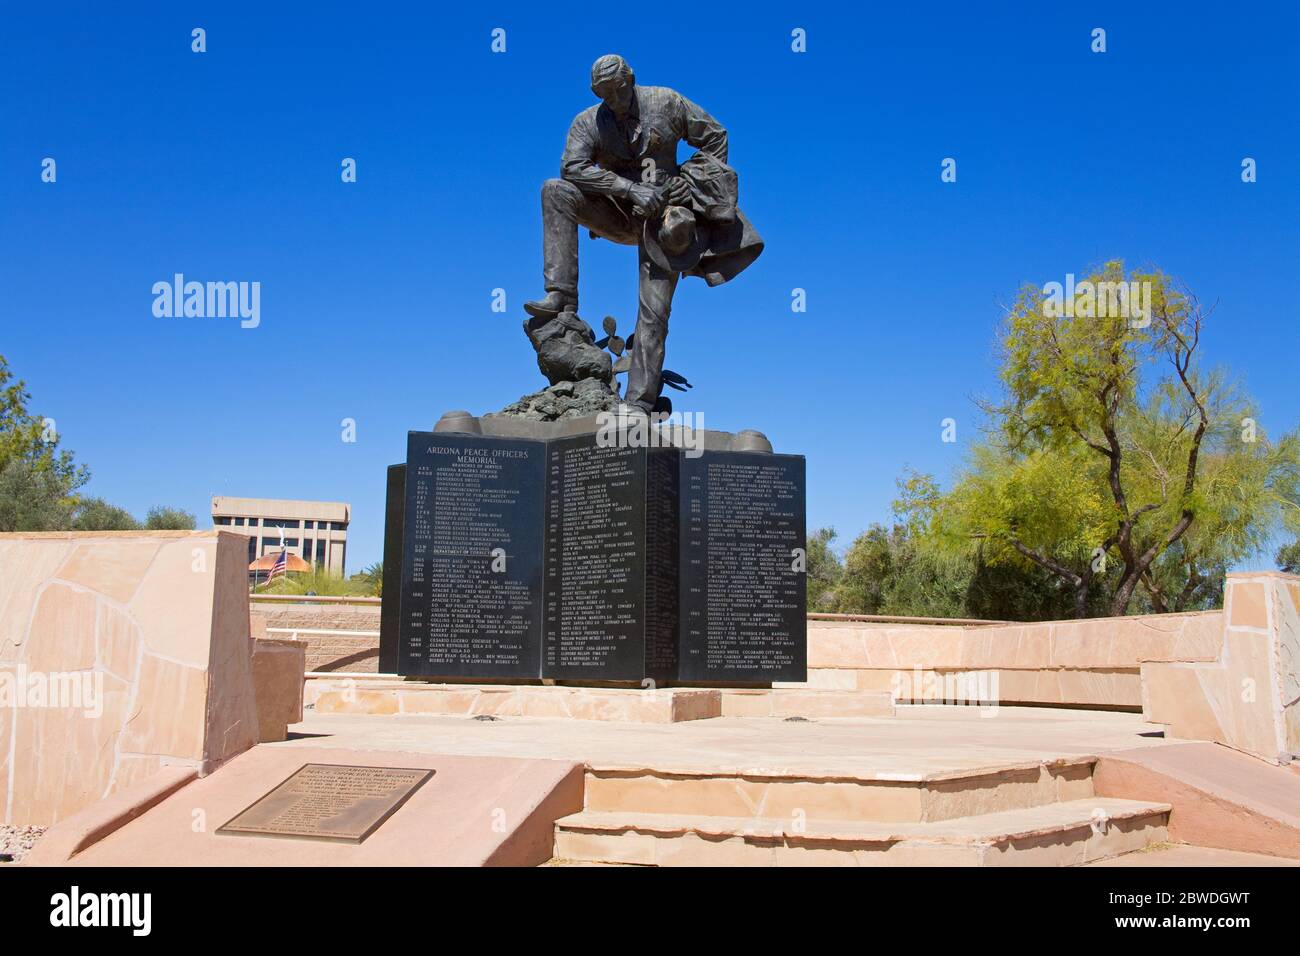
x=320, y=801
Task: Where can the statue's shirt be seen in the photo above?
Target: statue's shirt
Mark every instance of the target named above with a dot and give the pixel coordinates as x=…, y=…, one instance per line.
x=601, y=157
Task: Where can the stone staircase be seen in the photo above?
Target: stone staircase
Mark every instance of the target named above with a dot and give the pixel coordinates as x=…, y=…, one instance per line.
x=1039, y=814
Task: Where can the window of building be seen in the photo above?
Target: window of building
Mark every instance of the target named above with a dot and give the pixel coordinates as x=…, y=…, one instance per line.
x=320, y=552
x=280, y=523
x=221, y=521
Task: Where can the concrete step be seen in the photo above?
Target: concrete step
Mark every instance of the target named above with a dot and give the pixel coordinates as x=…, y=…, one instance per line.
x=885, y=798
x=1221, y=798
x=1062, y=834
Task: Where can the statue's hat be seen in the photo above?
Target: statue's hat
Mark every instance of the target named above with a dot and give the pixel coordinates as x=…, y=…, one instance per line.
x=673, y=240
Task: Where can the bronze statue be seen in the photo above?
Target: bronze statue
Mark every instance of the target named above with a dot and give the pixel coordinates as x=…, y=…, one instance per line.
x=620, y=178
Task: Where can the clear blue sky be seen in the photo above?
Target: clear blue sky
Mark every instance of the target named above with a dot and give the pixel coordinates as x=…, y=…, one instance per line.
x=376, y=295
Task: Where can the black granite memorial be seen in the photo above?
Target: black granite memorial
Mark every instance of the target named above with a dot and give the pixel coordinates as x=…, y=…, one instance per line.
x=609, y=609
x=471, y=569
x=570, y=559
x=743, y=599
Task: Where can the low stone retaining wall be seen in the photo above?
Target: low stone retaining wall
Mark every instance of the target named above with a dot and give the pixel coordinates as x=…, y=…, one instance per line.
x=387, y=695
x=1092, y=663
x=338, y=637
x=1089, y=663
x=1230, y=676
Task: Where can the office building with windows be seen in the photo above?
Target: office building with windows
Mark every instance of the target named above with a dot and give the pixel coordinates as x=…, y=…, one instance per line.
x=316, y=531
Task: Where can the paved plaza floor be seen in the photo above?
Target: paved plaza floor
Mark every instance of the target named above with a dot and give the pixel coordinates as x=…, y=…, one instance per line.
x=919, y=742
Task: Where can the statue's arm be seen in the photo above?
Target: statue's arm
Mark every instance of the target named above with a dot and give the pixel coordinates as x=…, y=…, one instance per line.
x=579, y=163
x=702, y=131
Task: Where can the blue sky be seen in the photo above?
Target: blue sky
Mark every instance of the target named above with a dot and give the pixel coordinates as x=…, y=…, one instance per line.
x=376, y=296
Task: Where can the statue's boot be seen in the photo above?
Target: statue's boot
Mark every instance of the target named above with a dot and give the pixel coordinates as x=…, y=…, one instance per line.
x=551, y=305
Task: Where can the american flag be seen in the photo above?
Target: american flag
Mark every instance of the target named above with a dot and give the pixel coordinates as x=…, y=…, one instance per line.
x=280, y=566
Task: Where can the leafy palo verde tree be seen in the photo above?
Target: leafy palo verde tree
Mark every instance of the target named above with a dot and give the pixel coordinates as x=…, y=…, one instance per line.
x=1248, y=489
x=1048, y=509
x=1037, y=509
x=1107, y=439
x=951, y=555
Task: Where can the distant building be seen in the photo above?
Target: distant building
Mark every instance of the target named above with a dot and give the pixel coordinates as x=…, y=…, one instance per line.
x=316, y=531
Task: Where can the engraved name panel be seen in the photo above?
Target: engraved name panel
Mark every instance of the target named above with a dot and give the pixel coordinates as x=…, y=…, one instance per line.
x=742, y=592
x=472, y=566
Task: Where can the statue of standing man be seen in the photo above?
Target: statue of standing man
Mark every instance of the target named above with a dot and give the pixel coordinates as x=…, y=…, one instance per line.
x=620, y=179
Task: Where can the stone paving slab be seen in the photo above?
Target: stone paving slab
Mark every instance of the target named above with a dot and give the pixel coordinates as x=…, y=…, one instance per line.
x=473, y=811
x=918, y=743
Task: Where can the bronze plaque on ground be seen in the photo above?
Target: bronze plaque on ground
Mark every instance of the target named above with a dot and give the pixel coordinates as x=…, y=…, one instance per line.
x=322, y=801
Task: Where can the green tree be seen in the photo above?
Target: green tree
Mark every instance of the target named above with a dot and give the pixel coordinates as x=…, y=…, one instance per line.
x=824, y=570
x=1249, y=488
x=34, y=498
x=163, y=518
x=1041, y=509
x=897, y=570
x=37, y=479
x=893, y=570
x=868, y=568
x=939, y=573
x=1117, y=400
x=96, y=514
x=1288, y=558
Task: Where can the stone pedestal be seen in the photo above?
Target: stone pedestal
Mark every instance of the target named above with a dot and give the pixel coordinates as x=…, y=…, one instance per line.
x=590, y=553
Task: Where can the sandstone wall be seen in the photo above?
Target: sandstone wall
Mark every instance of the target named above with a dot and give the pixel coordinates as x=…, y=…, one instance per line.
x=1248, y=695
x=120, y=652
x=1089, y=663
x=350, y=642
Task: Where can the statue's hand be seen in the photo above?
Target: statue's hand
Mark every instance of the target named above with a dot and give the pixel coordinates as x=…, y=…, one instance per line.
x=676, y=192
x=645, y=200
